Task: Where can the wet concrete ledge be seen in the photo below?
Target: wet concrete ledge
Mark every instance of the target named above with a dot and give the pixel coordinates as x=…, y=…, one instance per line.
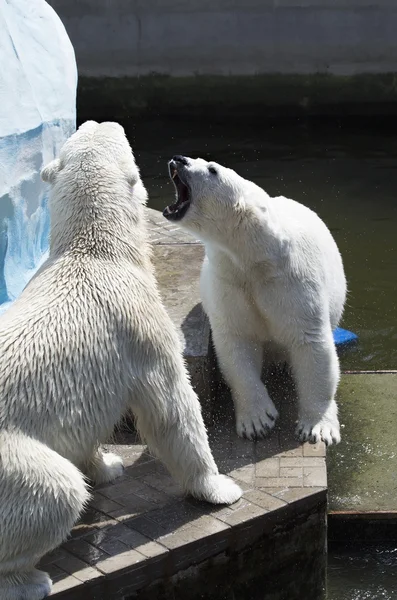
x=361, y=470
x=141, y=538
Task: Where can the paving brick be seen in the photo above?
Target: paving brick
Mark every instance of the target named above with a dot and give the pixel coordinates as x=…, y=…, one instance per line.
x=245, y=474
x=264, y=500
x=245, y=513
x=163, y=483
x=51, y=557
x=145, y=526
x=109, y=544
x=291, y=452
x=92, y=516
x=77, y=567
x=85, y=551
x=81, y=530
x=221, y=511
x=263, y=482
x=119, y=531
x=314, y=476
x=291, y=471
x=55, y=572
x=172, y=519
x=103, y=504
x=154, y=496
x=246, y=486
x=151, y=549
x=134, y=505
x=181, y=537
x=129, y=538
x=112, y=564
x=209, y=525
x=274, y=491
x=119, y=490
x=143, y=468
x=125, y=513
x=294, y=494
x=67, y=583
x=268, y=468
x=304, y=461
x=267, y=448
x=314, y=449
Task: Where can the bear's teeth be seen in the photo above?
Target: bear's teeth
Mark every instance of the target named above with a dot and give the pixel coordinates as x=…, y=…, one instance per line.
x=175, y=173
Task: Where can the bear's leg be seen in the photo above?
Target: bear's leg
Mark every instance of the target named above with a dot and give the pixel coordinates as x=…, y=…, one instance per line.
x=315, y=367
x=104, y=467
x=169, y=420
x=240, y=361
x=41, y=497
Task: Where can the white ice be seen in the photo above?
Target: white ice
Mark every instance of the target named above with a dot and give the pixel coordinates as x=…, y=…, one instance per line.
x=38, y=112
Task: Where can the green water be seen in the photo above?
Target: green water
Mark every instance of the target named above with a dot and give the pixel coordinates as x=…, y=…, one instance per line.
x=347, y=174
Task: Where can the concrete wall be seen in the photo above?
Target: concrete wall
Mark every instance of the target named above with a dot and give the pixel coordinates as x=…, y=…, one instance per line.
x=115, y=38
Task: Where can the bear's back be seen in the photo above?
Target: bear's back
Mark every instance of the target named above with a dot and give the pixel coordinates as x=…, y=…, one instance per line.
x=66, y=349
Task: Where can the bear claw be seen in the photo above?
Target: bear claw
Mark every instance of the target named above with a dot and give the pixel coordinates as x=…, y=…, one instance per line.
x=326, y=432
x=255, y=428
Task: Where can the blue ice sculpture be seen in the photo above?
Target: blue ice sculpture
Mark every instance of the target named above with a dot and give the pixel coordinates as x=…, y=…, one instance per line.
x=38, y=82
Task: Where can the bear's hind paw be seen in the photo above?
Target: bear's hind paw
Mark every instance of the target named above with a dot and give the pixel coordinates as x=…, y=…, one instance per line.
x=216, y=489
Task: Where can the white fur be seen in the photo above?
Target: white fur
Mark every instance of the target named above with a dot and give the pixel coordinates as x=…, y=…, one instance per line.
x=88, y=339
x=272, y=274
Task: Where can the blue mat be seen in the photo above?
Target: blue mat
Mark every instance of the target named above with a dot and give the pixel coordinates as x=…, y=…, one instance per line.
x=343, y=337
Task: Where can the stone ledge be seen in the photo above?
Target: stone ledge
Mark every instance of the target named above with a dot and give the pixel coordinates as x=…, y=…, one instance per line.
x=141, y=528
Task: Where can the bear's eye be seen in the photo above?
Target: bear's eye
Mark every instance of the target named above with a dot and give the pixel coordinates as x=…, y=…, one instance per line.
x=213, y=170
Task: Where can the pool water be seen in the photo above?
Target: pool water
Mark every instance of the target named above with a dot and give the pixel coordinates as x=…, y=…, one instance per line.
x=365, y=573
x=346, y=173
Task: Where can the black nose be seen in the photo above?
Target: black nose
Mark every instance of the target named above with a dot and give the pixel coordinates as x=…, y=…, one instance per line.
x=180, y=159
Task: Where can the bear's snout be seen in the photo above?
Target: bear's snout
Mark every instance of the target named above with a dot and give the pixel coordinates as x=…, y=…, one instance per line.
x=180, y=159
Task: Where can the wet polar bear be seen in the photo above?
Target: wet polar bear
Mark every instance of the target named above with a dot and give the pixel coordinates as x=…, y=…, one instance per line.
x=87, y=339
x=272, y=273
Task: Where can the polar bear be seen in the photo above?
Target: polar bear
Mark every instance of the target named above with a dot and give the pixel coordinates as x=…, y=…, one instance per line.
x=272, y=274
x=88, y=339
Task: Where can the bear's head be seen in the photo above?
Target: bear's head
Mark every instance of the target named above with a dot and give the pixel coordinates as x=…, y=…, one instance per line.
x=208, y=195
x=94, y=180
x=92, y=146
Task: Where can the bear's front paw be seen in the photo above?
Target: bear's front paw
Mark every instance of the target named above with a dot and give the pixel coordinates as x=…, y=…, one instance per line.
x=326, y=431
x=257, y=423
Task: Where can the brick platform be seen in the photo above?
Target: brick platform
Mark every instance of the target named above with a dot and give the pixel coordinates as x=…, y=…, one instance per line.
x=141, y=533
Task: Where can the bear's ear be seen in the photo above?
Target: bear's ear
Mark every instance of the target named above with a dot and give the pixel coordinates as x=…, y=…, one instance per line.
x=50, y=171
x=131, y=170
x=133, y=178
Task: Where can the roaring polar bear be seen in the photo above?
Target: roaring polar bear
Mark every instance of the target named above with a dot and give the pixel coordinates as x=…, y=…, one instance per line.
x=272, y=274
x=88, y=339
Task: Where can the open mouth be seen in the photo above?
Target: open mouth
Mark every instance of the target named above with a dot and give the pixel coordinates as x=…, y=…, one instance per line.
x=177, y=210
